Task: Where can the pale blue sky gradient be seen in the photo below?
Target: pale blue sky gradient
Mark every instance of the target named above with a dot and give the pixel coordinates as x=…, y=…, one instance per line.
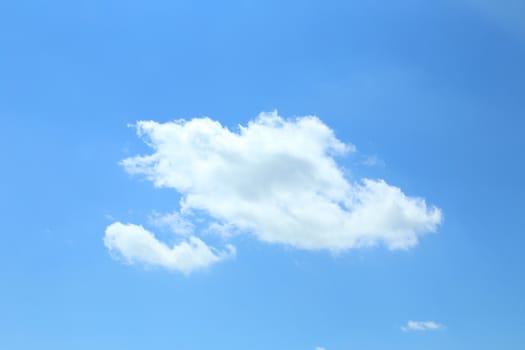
x=435, y=90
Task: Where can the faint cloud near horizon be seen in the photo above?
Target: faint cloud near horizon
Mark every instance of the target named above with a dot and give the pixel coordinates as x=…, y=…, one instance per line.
x=372, y=160
x=421, y=326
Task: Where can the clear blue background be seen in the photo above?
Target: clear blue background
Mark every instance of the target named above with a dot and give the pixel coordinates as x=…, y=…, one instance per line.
x=434, y=89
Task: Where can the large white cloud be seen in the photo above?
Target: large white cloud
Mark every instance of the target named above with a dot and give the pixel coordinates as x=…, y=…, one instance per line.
x=278, y=180
x=135, y=244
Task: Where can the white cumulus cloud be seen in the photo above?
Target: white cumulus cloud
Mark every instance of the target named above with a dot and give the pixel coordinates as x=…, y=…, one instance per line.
x=276, y=179
x=421, y=326
x=279, y=180
x=134, y=244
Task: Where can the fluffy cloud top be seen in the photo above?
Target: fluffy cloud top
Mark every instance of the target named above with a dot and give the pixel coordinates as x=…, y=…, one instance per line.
x=135, y=244
x=421, y=326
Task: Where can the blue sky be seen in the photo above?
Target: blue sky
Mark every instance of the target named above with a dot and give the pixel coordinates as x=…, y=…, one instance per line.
x=434, y=92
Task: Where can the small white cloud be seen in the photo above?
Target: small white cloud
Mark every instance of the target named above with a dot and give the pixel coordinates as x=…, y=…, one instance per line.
x=372, y=160
x=320, y=348
x=134, y=244
x=422, y=326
